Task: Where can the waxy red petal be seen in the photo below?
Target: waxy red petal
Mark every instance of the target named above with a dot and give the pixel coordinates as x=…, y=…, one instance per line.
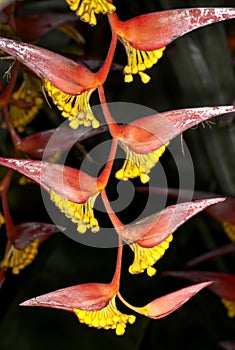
x=65, y=74
x=168, y=303
x=27, y=232
x=224, y=250
x=154, y=229
x=156, y=30
x=150, y=133
x=70, y=183
x=32, y=26
x=223, y=286
x=88, y=296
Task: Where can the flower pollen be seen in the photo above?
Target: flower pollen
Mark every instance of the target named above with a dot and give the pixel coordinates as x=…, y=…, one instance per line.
x=139, y=164
x=30, y=93
x=74, y=107
x=145, y=258
x=230, y=306
x=17, y=259
x=229, y=230
x=107, y=318
x=87, y=9
x=80, y=213
x=138, y=61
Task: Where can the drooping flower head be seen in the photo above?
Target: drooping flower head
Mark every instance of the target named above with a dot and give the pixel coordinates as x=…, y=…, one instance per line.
x=145, y=37
x=145, y=140
x=67, y=82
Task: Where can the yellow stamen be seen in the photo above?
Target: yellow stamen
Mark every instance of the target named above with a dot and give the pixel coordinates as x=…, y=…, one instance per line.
x=80, y=214
x=23, y=180
x=145, y=258
x=139, y=164
x=230, y=306
x=30, y=93
x=17, y=259
x=108, y=318
x=229, y=230
x=138, y=61
x=86, y=9
x=76, y=108
x=2, y=219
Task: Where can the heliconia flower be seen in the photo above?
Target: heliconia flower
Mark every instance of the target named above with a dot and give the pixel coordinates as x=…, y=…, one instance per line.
x=26, y=102
x=168, y=303
x=227, y=344
x=23, y=243
x=145, y=139
x=67, y=82
x=223, y=286
x=145, y=37
x=93, y=303
x=72, y=191
x=87, y=9
x=150, y=237
x=222, y=212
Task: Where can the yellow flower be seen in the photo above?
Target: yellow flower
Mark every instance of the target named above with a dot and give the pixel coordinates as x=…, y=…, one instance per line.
x=229, y=229
x=74, y=107
x=230, y=306
x=145, y=258
x=30, y=93
x=80, y=214
x=17, y=259
x=87, y=9
x=107, y=318
x=138, y=61
x=139, y=164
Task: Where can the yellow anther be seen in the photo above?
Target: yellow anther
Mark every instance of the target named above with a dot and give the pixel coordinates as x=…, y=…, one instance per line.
x=138, y=164
x=230, y=306
x=145, y=258
x=107, y=318
x=138, y=61
x=86, y=9
x=76, y=108
x=229, y=230
x=17, y=259
x=30, y=93
x=2, y=219
x=80, y=214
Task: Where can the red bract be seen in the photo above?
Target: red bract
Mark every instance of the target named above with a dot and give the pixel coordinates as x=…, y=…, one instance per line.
x=154, y=229
x=165, y=305
x=145, y=37
x=155, y=30
x=70, y=183
x=145, y=139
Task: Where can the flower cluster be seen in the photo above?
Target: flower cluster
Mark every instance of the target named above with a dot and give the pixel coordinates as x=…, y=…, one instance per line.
x=38, y=75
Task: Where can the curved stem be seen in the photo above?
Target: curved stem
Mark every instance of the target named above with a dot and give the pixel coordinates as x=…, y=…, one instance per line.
x=113, y=217
x=14, y=135
x=113, y=127
x=114, y=22
x=104, y=176
x=7, y=215
x=117, y=273
x=139, y=310
x=104, y=70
